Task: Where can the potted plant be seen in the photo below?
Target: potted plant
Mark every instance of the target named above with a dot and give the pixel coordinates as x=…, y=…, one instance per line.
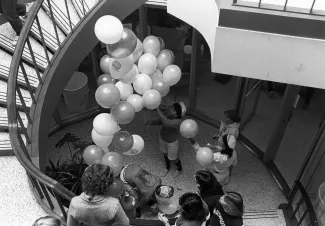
x=69, y=172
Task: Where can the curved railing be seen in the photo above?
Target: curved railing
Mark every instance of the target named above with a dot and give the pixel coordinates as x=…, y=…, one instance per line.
x=50, y=192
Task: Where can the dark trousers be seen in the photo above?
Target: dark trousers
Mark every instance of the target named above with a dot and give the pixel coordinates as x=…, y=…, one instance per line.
x=11, y=9
x=270, y=86
x=309, y=95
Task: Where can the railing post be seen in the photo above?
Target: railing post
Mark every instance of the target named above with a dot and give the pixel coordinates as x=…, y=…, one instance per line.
x=27, y=82
x=30, y=121
x=54, y=23
x=69, y=18
x=34, y=61
x=43, y=41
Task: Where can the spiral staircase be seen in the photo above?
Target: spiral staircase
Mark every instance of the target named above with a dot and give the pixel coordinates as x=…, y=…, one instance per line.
x=51, y=26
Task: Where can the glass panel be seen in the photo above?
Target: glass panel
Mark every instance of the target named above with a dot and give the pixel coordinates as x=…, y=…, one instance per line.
x=300, y=133
x=261, y=126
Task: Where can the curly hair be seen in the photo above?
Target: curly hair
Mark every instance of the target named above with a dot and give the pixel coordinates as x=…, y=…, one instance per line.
x=192, y=207
x=96, y=179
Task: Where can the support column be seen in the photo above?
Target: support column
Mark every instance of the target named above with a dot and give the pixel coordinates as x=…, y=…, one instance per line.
x=143, y=22
x=287, y=107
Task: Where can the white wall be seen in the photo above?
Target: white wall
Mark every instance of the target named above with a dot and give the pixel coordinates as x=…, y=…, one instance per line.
x=268, y=56
x=203, y=15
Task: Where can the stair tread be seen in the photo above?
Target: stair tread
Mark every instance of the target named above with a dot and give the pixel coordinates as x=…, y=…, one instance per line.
x=4, y=141
x=4, y=117
x=25, y=93
x=72, y=10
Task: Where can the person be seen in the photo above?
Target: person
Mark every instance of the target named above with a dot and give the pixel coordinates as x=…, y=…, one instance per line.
x=194, y=211
x=228, y=210
x=143, y=182
x=224, y=158
x=47, y=221
x=15, y=14
x=229, y=125
x=170, y=119
x=94, y=206
x=270, y=88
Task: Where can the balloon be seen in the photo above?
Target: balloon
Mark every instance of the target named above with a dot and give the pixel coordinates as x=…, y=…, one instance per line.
x=136, y=101
x=156, y=75
x=147, y=63
x=204, y=156
x=169, y=208
x=107, y=95
x=108, y=29
x=124, y=47
x=138, y=145
x=105, y=78
x=151, y=45
x=93, y=154
x=120, y=67
x=105, y=125
x=114, y=161
x=138, y=51
x=101, y=141
x=189, y=128
x=151, y=99
x=129, y=77
x=162, y=43
x=123, y=112
x=125, y=89
x=160, y=85
x=164, y=59
x=142, y=83
x=173, y=55
x=104, y=64
x=122, y=141
x=172, y=74
x=116, y=188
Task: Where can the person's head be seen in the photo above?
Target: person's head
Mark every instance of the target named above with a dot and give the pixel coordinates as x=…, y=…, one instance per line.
x=233, y=204
x=192, y=207
x=226, y=150
x=178, y=110
x=47, y=221
x=96, y=179
x=230, y=116
x=204, y=179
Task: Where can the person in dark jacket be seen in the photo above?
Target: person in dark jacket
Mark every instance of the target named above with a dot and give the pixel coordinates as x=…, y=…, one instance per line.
x=228, y=210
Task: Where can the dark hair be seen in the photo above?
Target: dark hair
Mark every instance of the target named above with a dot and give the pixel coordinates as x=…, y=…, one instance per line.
x=233, y=115
x=192, y=207
x=234, y=204
x=178, y=109
x=47, y=221
x=205, y=179
x=227, y=150
x=96, y=179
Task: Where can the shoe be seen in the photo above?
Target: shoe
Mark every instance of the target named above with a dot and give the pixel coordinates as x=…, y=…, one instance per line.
x=23, y=18
x=164, y=172
x=137, y=213
x=154, y=206
x=176, y=173
x=14, y=41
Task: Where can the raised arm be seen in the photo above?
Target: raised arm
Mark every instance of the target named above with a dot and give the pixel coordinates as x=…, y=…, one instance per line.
x=168, y=122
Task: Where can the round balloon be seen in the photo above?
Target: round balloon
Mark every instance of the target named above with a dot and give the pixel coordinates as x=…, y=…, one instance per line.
x=107, y=95
x=105, y=125
x=151, y=99
x=123, y=112
x=147, y=63
x=172, y=74
x=116, y=188
x=160, y=85
x=156, y=75
x=104, y=64
x=120, y=67
x=105, y=78
x=168, y=208
x=138, y=51
x=162, y=43
x=138, y=145
x=189, y=128
x=101, y=141
x=136, y=101
x=151, y=45
x=125, y=89
x=108, y=29
x=129, y=77
x=164, y=59
x=173, y=55
x=142, y=83
x=114, y=161
x=124, y=47
x=122, y=141
x=204, y=156
x=93, y=154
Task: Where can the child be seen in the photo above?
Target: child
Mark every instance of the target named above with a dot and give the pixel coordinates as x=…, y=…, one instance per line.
x=170, y=120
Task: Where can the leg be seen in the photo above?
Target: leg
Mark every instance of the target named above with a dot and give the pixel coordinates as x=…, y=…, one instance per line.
x=270, y=88
x=21, y=9
x=309, y=95
x=164, y=150
x=173, y=156
x=9, y=8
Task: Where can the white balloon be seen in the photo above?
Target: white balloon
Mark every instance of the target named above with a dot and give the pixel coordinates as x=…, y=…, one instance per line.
x=138, y=51
x=151, y=99
x=129, y=77
x=120, y=67
x=142, y=83
x=101, y=141
x=147, y=63
x=108, y=29
x=136, y=101
x=105, y=125
x=137, y=147
x=172, y=74
x=125, y=89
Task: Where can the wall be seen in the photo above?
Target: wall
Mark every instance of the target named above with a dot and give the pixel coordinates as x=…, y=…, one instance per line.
x=268, y=56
